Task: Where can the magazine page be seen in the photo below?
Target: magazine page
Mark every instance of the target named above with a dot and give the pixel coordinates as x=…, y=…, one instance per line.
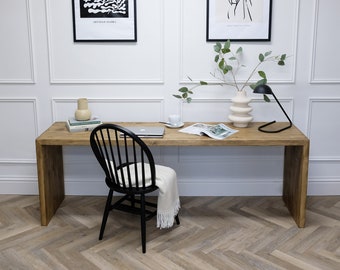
x=219, y=131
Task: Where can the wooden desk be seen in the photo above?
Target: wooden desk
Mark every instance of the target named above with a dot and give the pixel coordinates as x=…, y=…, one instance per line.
x=295, y=176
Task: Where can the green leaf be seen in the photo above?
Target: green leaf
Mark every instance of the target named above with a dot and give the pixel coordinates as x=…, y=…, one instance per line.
x=227, y=44
x=225, y=51
x=239, y=50
x=281, y=62
x=267, y=53
x=217, y=47
x=262, y=74
x=183, y=89
x=217, y=57
x=261, y=57
x=221, y=64
x=185, y=95
x=189, y=99
x=252, y=86
x=203, y=83
x=177, y=96
x=266, y=98
x=260, y=82
x=228, y=67
x=232, y=58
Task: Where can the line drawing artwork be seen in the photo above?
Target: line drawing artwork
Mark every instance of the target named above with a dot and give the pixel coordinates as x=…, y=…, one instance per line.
x=104, y=8
x=246, y=20
x=239, y=10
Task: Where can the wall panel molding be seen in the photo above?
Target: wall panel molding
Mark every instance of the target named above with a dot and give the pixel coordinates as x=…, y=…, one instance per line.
x=219, y=109
x=14, y=56
x=18, y=161
x=118, y=109
x=326, y=59
x=323, y=123
x=22, y=149
x=126, y=61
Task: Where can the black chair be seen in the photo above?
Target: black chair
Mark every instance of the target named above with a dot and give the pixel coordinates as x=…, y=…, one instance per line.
x=128, y=163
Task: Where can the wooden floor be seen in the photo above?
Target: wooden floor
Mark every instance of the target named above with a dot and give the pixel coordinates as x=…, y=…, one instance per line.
x=215, y=233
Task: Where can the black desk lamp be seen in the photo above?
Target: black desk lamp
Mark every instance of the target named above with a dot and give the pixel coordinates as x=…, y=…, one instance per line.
x=266, y=90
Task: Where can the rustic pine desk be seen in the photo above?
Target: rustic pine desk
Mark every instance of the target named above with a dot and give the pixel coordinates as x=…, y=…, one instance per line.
x=295, y=175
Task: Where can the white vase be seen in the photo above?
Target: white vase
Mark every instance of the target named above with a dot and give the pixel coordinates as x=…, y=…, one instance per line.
x=82, y=113
x=240, y=110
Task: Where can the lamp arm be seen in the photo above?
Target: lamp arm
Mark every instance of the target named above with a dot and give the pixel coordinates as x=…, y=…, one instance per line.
x=290, y=122
x=275, y=131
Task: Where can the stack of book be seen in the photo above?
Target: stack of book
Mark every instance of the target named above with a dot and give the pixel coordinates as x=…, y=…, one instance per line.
x=74, y=125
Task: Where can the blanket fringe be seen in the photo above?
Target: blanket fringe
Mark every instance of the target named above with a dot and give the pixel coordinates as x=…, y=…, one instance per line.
x=166, y=219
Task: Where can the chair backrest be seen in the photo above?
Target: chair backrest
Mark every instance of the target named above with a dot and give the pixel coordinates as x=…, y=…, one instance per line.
x=126, y=160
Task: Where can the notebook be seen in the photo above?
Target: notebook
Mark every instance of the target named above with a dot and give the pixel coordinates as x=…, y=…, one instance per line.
x=147, y=131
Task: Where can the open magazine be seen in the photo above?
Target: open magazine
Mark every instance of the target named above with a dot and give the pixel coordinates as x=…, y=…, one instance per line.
x=219, y=131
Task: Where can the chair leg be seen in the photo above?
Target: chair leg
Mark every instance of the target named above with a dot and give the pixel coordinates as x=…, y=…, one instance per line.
x=143, y=221
x=132, y=196
x=106, y=213
x=177, y=219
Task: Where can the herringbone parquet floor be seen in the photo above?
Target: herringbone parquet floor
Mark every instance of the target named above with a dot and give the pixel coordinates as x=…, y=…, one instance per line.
x=215, y=233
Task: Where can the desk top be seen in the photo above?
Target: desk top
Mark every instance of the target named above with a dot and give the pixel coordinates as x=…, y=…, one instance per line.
x=58, y=134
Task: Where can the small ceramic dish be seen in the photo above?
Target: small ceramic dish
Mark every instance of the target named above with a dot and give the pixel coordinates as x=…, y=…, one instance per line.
x=179, y=125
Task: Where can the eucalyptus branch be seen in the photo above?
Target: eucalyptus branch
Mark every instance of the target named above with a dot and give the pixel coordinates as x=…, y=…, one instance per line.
x=251, y=75
x=223, y=80
x=232, y=65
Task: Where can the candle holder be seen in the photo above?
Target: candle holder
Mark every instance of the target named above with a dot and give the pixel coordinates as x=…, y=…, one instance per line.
x=82, y=113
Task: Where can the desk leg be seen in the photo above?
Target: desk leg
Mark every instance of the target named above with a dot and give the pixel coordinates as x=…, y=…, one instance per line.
x=51, y=180
x=295, y=180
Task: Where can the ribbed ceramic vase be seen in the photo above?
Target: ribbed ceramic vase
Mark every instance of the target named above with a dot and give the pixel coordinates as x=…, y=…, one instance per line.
x=82, y=113
x=240, y=109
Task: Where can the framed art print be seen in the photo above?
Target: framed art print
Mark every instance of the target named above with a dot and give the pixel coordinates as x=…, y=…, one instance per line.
x=239, y=20
x=106, y=20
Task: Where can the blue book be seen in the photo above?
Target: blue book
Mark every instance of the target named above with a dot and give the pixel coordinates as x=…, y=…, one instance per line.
x=73, y=122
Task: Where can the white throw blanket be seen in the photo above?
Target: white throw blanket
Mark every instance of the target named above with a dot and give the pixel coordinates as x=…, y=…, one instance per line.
x=168, y=199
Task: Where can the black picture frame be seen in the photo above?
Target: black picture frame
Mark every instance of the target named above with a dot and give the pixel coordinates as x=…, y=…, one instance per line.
x=115, y=21
x=242, y=20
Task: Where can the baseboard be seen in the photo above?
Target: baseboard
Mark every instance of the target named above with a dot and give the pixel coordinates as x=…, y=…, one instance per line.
x=29, y=186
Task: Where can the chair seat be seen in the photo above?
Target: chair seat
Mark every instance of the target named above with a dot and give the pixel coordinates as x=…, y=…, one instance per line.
x=135, y=171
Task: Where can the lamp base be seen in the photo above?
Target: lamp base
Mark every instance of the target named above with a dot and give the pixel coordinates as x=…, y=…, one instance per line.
x=260, y=128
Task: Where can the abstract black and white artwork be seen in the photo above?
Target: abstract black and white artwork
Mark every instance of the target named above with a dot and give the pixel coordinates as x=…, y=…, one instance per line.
x=239, y=20
x=104, y=20
x=104, y=8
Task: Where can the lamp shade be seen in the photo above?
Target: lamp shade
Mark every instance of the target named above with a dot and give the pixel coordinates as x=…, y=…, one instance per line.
x=263, y=89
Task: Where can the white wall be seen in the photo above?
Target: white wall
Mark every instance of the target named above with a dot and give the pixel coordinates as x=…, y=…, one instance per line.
x=43, y=72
